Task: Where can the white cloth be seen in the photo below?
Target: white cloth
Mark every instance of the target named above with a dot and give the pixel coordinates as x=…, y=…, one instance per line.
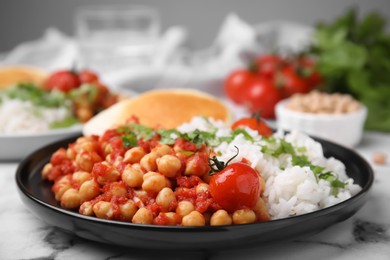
x=173, y=65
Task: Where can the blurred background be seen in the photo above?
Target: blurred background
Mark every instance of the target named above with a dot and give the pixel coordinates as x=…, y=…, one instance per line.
x=22, y=20
x=200, y=44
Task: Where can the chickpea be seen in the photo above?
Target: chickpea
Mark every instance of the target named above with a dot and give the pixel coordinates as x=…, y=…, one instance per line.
x=103, y=209
x=80, y=177
x=118, y=161
x=184, y=208
x=71, y=153
x=162, y=149
x=261, y=211
x=117, y=189
x=195, y=218
x=134, y=155
x=168, y=219
x=197, y=165
x=143, y=216
x=154, y=181
x=140, y=195
x=128, y=210
x=70, y=199
x=169, y=165
x=107, y=149
x=61, y=190
x=84, y=139
x=165, y=198
x=132, y=175
x=46, y=170
x=202, y=187
x=221, y=217
x=105, y=172
x=61, y=185
x=89, y=190
x=86, y=208
x=379, y=158
x=243, y=216
x=89, y=145
x=148, y=162
x=86, y=160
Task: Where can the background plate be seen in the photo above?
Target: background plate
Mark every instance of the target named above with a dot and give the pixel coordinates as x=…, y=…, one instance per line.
x=37, y=196
x=18, y=146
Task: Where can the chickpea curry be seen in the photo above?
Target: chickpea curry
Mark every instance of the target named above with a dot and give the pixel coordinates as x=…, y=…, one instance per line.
x=153, y=176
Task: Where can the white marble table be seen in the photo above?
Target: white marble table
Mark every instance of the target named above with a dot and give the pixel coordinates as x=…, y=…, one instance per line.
x=366, y=235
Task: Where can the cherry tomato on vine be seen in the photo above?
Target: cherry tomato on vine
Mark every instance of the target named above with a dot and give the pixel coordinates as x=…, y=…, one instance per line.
x=309, y=70
x=268, y=64
x=291, y=82
x=235, y=187
x=236, y=83
x=262, y=96
x=254, y=123
x=63, y=80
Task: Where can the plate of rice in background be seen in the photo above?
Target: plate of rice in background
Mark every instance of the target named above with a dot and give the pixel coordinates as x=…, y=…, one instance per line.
x=37, y=107
x=310, y=184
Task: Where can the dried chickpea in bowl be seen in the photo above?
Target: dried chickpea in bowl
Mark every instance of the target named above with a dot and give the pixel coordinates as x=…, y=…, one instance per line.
x=335, y=117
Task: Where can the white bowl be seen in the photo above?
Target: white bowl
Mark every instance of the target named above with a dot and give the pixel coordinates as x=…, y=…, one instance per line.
x=345, y=129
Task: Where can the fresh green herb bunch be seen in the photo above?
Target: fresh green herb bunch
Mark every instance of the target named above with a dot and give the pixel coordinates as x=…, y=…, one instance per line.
x=352, y=55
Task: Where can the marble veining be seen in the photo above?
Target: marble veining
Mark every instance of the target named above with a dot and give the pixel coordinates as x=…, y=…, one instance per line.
x=366, y=235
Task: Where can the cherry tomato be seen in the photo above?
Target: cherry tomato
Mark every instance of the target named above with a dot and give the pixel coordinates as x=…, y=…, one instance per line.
x=254, y=123
x=88, y=76
x=291, y=82
x=262, y=96
x=268, y=64
x=63, y=80
x=309, y=70
x=235, y=187
x=235, y=84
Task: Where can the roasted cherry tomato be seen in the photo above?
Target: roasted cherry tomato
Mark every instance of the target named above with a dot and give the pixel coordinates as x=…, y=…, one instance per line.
x=88, y=76
x=63, y=80
x=235, y=187
x=254, y=123
x=236, y=83
x=262, y=96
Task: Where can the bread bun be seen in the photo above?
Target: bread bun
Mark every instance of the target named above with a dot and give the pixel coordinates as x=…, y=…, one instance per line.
x=165, y=108
x=10, y=75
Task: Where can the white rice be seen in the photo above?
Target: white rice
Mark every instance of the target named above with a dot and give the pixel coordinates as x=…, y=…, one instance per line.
x=290, y=190
x=17, y=116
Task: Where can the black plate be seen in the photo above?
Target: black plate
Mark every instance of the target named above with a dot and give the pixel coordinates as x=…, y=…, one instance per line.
x=37, y=196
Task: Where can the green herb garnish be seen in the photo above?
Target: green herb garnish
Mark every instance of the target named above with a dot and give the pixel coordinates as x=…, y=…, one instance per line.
x=352, y=55
x=67, y=122
x=299, y=159
x=36, y=95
